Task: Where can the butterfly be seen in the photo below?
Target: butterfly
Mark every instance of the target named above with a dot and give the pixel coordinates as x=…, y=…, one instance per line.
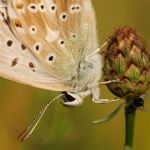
x=51, y=44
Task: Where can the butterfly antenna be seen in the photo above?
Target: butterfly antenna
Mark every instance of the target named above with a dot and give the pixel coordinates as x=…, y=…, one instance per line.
x=25, y=134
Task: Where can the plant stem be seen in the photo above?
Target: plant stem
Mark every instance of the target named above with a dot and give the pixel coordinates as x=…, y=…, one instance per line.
x=129, y=126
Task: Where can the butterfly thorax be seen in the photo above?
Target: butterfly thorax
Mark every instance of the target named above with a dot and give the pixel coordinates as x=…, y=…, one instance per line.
x=87, y=74
x=84, y=82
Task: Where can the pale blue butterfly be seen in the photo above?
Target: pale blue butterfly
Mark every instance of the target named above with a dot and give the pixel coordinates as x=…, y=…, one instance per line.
x=51, y=44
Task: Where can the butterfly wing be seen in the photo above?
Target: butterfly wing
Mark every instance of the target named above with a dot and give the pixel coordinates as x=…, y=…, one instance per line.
x=60, y=33
x=18, y=63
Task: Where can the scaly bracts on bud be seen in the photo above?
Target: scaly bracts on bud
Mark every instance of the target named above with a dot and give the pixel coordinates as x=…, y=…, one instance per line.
x=127, y=59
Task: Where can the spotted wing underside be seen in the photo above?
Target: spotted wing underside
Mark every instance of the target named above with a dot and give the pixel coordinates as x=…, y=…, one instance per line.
x=18, y=63
x=60, y=33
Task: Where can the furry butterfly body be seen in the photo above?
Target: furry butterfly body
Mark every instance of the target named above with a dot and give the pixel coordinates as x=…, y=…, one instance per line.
x=48, y=44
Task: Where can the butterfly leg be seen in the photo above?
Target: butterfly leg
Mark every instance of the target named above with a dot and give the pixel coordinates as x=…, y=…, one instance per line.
x=96, y=95
x=94, y=52
x=104, y=101
x=110, y=81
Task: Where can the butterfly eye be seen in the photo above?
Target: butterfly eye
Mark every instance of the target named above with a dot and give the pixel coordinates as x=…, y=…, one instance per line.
x=37, y=47
x=75, y=8
x=51, y=58
x=63, y=17
x=33, y=29
x=33, y=8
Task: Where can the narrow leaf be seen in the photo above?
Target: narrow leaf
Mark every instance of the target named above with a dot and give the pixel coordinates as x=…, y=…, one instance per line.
x=108, y=117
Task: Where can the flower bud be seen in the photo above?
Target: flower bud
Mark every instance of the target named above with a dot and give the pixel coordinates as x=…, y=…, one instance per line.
x=127, y=60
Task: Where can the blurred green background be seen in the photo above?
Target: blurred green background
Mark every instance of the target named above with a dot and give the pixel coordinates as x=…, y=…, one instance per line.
x=69, y=129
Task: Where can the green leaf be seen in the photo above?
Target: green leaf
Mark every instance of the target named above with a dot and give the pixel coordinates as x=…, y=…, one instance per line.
x=108, y=117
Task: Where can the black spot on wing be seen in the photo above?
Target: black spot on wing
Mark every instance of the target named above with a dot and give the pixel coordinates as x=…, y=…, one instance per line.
x=9, y=43
x=23, y=47
x=14, y=62
x=32, y=66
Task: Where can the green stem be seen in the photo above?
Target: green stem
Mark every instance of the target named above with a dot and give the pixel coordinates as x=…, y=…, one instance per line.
x=129, y=126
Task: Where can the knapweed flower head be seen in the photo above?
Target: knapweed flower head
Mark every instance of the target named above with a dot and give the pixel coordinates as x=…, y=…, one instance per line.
x=127, y=60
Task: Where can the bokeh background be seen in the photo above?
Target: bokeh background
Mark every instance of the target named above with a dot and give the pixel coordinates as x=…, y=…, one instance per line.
x=69, y=129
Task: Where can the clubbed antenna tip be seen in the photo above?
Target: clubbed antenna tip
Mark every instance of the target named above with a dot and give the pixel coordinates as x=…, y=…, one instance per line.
x=25, y=134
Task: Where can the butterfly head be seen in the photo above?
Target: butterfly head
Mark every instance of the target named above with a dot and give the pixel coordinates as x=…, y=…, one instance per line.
x=72, y=99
